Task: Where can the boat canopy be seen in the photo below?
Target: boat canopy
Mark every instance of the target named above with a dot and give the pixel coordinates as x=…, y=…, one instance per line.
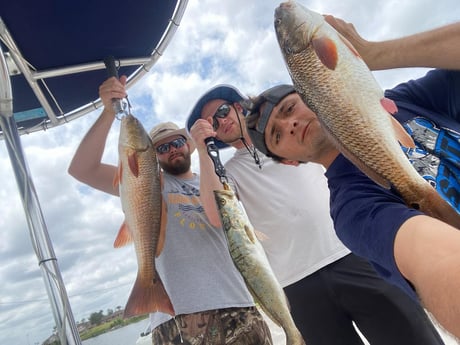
x=55, y=51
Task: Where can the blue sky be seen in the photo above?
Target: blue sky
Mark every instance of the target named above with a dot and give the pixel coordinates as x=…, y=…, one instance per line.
x=217, y=42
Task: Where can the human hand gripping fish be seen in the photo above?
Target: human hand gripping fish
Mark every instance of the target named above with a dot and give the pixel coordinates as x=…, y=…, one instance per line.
x=140, y=192
x=333, y=81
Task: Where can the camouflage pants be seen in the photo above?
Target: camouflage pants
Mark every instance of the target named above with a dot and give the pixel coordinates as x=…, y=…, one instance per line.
x=231, y=326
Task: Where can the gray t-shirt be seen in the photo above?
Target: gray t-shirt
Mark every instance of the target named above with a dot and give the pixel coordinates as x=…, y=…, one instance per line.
x=196, y=267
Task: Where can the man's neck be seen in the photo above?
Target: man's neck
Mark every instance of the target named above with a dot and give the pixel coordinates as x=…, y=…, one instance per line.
x=328, y=158
x=185, y=176
x=238, y=143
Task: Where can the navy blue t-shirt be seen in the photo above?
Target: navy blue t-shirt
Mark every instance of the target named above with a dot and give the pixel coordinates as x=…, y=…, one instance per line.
x=429, y=109
x=367, y=216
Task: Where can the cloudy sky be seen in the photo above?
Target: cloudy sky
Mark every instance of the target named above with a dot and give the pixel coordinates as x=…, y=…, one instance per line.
x=217, y=42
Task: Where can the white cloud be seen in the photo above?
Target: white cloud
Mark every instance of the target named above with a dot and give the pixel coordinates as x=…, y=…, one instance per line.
x=218, y=42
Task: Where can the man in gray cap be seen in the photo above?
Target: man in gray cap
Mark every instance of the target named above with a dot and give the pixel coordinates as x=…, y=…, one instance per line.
x=328, y=288
x=209, y=296
x=417, y=253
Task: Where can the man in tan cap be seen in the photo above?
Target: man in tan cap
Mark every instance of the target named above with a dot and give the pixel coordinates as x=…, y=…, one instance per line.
x=208, y=294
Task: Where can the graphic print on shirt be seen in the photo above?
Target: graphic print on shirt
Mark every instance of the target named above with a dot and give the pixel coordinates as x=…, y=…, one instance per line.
x=186, y=206
x=436, y=157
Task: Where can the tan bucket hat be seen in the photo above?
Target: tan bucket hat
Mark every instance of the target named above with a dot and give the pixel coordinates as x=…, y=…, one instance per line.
x=169, y=129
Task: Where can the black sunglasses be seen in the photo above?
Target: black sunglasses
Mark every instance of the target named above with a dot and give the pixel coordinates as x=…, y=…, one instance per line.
x=164, y=148
x=220, y=113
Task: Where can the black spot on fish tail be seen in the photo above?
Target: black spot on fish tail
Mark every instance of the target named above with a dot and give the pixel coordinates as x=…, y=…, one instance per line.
x=415, y=206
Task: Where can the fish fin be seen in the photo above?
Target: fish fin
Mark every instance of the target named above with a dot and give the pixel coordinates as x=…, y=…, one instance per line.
x=147, y=297
x=389, y=105
x=124, y=236
x=326, y=50
x=401, y=134
x=162, y=235
x=117, y=176
x=133, y=163
x=250, y=233
x=261, y=236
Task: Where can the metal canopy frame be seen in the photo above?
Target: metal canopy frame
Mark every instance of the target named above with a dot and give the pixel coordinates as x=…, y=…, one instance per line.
x=13, y=63
x=19, y=65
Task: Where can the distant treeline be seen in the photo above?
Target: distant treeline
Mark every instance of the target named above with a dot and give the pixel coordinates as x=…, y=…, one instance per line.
x=97, y=324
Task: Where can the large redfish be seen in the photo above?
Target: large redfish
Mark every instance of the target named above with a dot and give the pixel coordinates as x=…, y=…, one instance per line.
x=334, y=82
x=250, y=259
x=141, y=199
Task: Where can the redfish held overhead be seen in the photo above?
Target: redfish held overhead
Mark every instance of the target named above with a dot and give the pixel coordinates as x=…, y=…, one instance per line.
x=140, y=192
x=335, y=83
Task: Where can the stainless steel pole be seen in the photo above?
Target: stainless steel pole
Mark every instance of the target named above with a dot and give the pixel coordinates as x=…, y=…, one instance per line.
x=47, y=261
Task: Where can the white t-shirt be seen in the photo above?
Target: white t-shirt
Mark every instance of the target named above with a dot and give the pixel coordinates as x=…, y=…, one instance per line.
x=290, y=206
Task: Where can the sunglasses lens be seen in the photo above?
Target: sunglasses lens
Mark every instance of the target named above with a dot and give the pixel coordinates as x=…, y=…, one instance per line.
x=179, y=142
x=220, y=113
x=164, y=148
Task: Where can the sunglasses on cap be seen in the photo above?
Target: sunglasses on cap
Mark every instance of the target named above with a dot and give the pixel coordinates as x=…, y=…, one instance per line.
x=164, y=148
x=220, y=113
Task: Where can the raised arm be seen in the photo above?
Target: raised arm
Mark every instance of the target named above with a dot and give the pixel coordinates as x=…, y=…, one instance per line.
x=437, y=48
x=209, y=181
x=86, y=165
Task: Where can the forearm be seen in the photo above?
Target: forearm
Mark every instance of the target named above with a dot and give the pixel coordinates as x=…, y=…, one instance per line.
x=438, y=48
x=209, y=182
x=86, y=165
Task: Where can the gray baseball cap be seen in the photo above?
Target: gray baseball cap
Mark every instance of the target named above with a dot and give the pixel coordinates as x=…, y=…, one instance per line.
x=257, y=122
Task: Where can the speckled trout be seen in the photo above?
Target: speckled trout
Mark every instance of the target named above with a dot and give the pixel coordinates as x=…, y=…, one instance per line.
x=140, y=192
x=334, y=82
x=250, y=259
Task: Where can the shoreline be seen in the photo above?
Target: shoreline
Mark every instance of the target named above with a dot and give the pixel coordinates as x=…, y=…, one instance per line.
x=109, y=326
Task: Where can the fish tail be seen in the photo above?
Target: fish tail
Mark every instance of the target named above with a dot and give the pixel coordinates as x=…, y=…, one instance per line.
x=435, y=206
x=147, y=297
